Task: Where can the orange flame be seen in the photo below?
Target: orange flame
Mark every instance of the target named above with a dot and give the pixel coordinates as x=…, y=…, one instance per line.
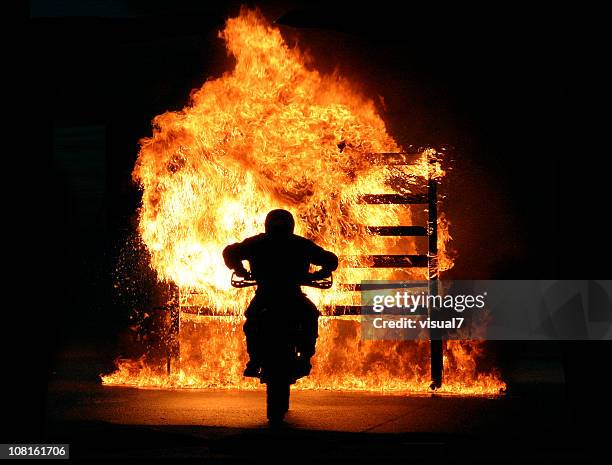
x=274, y=133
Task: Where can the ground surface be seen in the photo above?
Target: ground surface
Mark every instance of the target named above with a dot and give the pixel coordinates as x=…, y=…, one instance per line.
x=106, y=422
x=532, y=423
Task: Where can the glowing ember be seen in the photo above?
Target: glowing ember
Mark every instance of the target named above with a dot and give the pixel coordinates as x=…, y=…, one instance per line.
x=274, y=133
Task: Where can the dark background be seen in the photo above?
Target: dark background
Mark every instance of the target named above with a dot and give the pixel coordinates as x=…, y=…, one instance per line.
x=507, y=88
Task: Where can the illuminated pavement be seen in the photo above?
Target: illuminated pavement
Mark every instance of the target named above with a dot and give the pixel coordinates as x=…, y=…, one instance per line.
x=351, y=412
x=114, y=421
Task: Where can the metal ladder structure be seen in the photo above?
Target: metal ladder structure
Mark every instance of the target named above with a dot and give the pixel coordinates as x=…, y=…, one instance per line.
x=429, y=261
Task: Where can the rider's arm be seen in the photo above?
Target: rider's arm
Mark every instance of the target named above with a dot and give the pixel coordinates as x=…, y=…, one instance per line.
x=328, y=261
x=233, y=255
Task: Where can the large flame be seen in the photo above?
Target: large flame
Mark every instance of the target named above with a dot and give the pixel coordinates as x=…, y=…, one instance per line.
x=275, y=133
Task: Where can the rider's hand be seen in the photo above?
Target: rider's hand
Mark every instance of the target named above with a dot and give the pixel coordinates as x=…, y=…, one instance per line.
x=319, y=274
x=242, y=273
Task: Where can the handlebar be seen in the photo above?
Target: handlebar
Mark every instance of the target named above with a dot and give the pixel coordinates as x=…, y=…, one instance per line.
x=240, y=282
x=249, y=281
x=325, y=283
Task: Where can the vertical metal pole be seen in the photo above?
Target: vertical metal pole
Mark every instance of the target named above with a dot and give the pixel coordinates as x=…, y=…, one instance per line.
x=174, y=332
x=435, y=340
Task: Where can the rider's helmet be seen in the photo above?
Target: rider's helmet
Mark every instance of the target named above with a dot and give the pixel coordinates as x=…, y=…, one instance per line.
x=279, y=223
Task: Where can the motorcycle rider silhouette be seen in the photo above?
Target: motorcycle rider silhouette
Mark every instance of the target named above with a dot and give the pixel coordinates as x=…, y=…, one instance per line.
x=280, y=261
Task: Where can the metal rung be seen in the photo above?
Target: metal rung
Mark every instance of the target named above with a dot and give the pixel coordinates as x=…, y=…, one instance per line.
x=397, y=199
x=328, y=310
x=397, y=230
x=392, y=285
x=201, y=311
x=340, y=310
x=395, y=158
x=383, y=261
x=348, y=287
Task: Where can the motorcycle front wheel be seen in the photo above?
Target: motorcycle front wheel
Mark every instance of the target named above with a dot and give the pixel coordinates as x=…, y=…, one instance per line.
x=277, y=397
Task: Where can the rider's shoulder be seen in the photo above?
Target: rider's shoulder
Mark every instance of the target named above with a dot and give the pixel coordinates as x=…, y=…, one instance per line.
x=303, y=240
x=257, y=238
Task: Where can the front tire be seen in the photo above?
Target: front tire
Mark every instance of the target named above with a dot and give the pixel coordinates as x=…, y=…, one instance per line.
x=277, y=394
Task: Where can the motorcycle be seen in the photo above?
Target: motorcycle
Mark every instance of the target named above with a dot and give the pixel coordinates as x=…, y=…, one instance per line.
x=279, y=352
